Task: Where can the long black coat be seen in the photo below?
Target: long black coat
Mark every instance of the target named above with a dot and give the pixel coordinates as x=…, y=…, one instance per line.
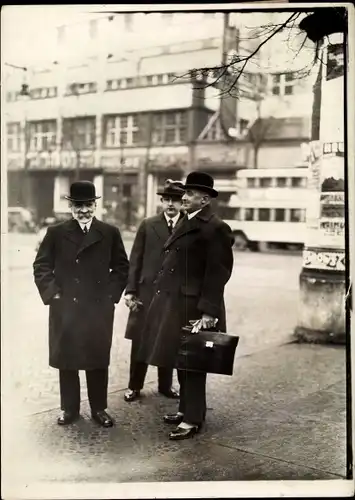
x=197, y=265
x=145, y=262
x=90, y=273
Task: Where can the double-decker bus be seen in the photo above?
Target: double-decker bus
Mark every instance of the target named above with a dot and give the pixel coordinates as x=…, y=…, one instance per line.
x=269, y=208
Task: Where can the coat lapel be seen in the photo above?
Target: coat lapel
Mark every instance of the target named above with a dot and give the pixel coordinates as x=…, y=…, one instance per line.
x=93, y=236
x=161, y=227
x=73, y=232
x=186, y=226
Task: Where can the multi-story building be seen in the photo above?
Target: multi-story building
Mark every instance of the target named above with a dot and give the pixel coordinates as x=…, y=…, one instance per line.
x=131, y=118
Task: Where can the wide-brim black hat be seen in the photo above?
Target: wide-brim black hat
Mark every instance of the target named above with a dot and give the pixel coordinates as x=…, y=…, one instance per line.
x=172, y=188
x=201, y=181
x=82, y=191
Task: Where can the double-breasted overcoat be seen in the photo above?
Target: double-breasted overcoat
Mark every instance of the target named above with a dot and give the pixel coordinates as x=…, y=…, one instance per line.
x=90, y=273
x=198, y=262
x=144, y=264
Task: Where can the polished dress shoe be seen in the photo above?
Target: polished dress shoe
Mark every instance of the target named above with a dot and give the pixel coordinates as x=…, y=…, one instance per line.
x=180, y=433
x=170, y=393
x=102, y=418
x=67, y=417
x=173, y=418
x=131, y=395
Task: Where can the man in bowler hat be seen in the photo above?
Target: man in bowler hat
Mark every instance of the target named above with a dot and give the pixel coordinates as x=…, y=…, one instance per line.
x=145, y=263
x=81, y=271
x=189, y=287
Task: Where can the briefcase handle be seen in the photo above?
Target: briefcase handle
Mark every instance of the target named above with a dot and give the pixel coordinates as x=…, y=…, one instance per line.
x=214, y=329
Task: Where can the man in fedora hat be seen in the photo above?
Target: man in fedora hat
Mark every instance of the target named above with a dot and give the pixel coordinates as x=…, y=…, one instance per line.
x=190, y=285
x=81, y=270
x=145, y=262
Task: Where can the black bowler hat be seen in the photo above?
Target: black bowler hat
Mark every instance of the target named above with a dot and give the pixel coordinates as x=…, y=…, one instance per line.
x=202, y=182
x=81, y=191
x=172, y=189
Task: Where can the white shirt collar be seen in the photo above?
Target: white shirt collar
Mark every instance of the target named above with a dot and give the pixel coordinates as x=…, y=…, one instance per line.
x=189, y=216
x=174, y=219
x=87, y=224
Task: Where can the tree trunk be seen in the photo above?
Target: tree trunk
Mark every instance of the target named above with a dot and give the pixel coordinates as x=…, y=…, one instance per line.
x=317, y=97
x=255, y=157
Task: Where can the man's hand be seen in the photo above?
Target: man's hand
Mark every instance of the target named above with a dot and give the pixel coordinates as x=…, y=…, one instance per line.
x=132, y=302
x=204, y=323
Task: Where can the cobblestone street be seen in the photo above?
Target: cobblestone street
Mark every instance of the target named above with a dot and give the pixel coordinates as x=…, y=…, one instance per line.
x=280, y=393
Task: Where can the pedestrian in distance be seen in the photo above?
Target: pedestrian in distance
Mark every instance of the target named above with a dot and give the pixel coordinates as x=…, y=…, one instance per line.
x=81, y=271
x=145, y=262
x=190, y=286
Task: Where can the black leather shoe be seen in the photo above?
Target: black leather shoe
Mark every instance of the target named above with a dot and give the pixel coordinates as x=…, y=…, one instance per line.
x=179, y=433
x=131, y=395
x=173, y=418
x=102, y=418
x=171, y=393
x=66, y=418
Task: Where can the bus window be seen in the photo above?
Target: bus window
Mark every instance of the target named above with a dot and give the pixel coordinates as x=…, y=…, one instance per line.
x=251, y=182
x=297, y=182
x=249, y=214
x=264, y=214
x=265, y=182
x=280, y=215
x=281, y=182
x=296, y=215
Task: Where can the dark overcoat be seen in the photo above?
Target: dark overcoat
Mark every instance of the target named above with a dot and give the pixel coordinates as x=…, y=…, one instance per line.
x=197, y=265
x=90, y=273
x=144, y=264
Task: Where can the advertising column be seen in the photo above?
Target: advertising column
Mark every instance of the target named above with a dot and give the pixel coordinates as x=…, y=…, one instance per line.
x=322, y=280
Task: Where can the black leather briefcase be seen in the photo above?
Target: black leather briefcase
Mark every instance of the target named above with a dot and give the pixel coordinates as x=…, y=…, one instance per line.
x=206, y=351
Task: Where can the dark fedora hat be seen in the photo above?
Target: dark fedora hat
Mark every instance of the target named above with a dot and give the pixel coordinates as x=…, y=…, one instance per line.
x=82, y=191
x=172, y=188
x=201, y=181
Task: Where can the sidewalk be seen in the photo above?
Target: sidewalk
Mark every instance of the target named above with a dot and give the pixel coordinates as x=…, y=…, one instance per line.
x=281, y=416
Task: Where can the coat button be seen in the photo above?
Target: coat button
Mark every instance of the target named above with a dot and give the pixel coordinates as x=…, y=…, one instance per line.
x=75, y=299
x=158, y=292
x=77, y=280
x=77, y=261
x=167, y=251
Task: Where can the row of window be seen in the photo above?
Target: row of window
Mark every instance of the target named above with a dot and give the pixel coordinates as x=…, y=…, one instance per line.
x=266, y=182
x=282, y=84
x=271, y=214
x=118, y=130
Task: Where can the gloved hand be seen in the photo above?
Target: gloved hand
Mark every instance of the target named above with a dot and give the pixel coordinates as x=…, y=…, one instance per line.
x=132, y=302
x=204, y=323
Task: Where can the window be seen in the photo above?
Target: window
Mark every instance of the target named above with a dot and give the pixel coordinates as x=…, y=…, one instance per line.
x=264, y=214
x=249, y=214
x=113, y=84
x=42, y=135
x=13, y=136
x=160, y=79
x=243, y=124
x=297, y=182
x=169, y=128
x=281, y=181
x=297, y=215
x=79, y=133
x=265, y=182
x=251, y=182
x=129, y=82
x=121, y=130
x=81, y=88
x=171, y=77
x=280, y=215
x=215, y=132
x=283, y=83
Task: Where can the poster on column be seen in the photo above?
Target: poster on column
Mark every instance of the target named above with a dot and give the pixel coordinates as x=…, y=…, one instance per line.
x=325, y=240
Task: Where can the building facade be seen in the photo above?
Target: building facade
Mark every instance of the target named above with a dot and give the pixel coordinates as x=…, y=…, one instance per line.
x=129, y=119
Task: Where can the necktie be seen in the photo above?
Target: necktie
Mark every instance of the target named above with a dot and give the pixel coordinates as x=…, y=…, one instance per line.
x=85, y=230
x=170, y=225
